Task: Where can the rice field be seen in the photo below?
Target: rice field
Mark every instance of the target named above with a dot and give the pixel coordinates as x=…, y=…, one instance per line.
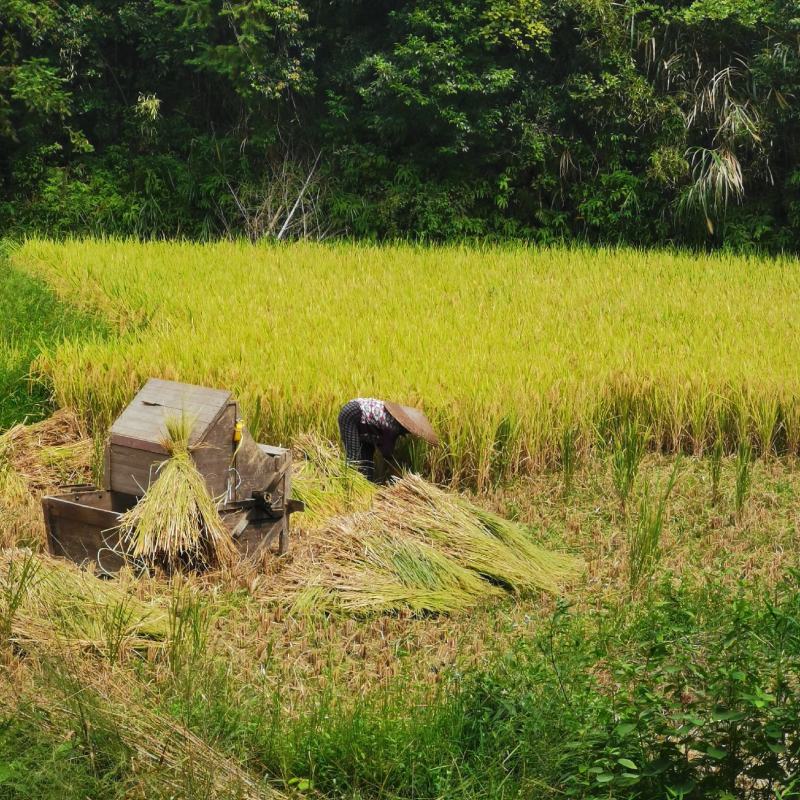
x=518, y=355
x=623, y=626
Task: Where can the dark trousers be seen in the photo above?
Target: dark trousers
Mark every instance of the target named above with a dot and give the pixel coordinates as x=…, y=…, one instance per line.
x=359, y=451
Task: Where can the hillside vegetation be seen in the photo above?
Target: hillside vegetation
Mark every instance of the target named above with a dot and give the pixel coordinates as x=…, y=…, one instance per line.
x=642, y=121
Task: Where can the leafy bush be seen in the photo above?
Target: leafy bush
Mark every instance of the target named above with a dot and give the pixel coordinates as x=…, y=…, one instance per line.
x=617, y=122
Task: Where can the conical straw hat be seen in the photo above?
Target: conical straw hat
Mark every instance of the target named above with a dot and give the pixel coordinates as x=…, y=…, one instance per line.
x=413, y=420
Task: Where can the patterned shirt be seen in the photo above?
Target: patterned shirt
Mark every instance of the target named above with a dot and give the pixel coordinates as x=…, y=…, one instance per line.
x=373, y=412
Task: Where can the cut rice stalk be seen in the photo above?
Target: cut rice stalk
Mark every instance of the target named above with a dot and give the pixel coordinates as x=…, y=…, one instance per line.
x=361, y=567
x=176, y=524
x=166, y=759
x=457, y=528
x=554, y=568
x=45, y=601
x=418, y=547
x=327, y=485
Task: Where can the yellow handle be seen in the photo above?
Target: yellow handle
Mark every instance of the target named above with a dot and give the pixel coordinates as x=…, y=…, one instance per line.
x=237, y=430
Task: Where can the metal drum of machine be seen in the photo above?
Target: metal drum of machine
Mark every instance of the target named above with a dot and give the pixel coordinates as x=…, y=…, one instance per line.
x=251, y=481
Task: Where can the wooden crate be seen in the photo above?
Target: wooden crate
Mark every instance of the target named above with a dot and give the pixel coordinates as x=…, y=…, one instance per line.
x=82, y=526
x=250, y=481
x=233, y=470
x=135, y=450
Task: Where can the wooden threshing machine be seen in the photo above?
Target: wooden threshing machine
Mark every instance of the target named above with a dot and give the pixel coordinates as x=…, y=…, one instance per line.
x=253, y=481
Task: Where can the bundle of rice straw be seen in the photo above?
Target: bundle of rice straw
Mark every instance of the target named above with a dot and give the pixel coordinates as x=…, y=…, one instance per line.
x=360, y=566
x=496, y=548
x=324, y=481
x=34, y=459
x=54, y=451
x=176, y=524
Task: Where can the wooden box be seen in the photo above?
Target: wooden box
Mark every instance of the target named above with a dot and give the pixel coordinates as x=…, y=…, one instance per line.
x=82, y=525
x=135, y=446
x=250, y=482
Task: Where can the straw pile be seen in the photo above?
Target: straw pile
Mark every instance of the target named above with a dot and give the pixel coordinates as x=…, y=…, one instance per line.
x=49, y=602
x=176, y=524
x=35, y=459
x=54, y=451
x=410, y=545
x=111, y=710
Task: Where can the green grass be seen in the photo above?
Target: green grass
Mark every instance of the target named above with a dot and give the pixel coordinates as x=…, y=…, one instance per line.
x=32, y=319
x=506, y=348
x=689, y=690
x=41, y=764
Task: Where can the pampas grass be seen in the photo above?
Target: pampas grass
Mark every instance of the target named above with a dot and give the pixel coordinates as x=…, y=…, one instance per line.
x=176, y=524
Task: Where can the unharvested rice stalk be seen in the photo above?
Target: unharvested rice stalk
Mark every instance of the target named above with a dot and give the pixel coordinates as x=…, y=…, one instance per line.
x=638, y=338
x=176, y=524
x=46, y=602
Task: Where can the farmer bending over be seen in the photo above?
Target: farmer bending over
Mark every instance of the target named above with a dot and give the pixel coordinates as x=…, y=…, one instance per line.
x=366, y=423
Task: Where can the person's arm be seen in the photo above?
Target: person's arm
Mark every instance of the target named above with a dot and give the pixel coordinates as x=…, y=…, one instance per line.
x=386, y=442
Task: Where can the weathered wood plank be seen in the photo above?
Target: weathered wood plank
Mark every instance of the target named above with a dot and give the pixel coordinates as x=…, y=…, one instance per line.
x=146, y=414
x=213, y=456
x=132, y=469
x=83, y=527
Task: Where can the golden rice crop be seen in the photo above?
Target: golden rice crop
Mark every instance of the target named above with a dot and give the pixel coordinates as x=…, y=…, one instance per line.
x=176, y=523
x=506, y=348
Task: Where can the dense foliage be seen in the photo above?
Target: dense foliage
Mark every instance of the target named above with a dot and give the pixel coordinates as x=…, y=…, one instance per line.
x=641, y=121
